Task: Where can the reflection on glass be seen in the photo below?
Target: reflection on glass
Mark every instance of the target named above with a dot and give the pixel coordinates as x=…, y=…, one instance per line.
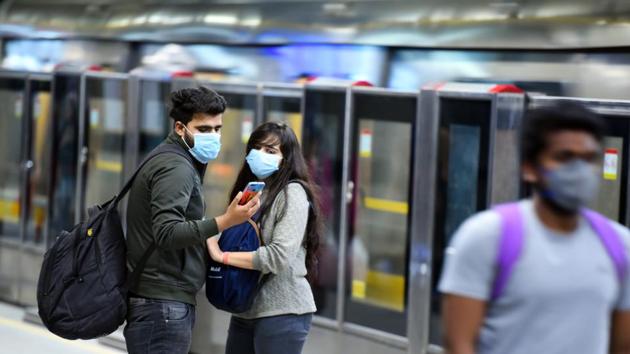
x=221, y=173
x=323, y=150
x=65, y=146
x=286, y=110
x=154, y=121
x=608, y=200
x=106, y=116
x=461, y=191
x=40, y=148
x=11, y=132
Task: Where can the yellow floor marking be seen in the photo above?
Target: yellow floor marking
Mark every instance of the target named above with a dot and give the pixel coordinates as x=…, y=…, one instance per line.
x=42, y=332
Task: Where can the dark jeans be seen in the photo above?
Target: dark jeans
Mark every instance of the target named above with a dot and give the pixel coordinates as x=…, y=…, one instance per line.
x=283, y=334
x=159, y=326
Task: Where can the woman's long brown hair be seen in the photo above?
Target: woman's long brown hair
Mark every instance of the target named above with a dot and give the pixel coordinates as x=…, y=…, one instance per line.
x=292, y=168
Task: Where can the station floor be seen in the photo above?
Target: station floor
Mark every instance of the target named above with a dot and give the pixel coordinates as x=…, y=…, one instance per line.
x=19, y=337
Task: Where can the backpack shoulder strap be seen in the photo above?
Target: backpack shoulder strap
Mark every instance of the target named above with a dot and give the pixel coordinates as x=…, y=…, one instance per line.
x=611, y=240
x=161, y=149
x=510, y=245
x=134, y=277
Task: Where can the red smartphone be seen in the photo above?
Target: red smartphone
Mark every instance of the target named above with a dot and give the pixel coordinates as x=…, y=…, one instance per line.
x=250, y=191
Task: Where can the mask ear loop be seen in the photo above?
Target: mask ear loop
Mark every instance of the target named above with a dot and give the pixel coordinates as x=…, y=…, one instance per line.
x=184, y=137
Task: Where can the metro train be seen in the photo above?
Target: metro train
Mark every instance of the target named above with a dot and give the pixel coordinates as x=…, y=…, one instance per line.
x=398, y=172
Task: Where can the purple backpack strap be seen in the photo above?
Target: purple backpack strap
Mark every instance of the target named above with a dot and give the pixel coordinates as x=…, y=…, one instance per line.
x=611, y=240
x=510, y=245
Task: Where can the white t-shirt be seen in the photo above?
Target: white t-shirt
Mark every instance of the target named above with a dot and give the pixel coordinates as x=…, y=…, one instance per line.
x=559, y=297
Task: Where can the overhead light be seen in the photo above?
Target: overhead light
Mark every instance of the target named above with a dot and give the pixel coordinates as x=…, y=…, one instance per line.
x=220, y=19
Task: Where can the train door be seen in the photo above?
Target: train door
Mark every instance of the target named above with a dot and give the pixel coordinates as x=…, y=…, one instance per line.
x=35, y=204
x=612, y=199
x=324, y=146
x=470, y=161
x=283, y=104
x=104, y=103
x=12, y=152
x=378, y=217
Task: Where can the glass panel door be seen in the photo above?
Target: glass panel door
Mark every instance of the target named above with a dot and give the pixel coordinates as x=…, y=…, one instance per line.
x=106, y=114
x=39, y=153
x=11, y=154
x=238, y=123
x=323, y=149
x=611, y=199
x=155, y=123
x=379, y=214
x=462, y=179
x=284, y=109
x=65, y=120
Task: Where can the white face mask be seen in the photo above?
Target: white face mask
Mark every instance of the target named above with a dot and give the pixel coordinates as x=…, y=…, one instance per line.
x=206, y=146
x=263, y=164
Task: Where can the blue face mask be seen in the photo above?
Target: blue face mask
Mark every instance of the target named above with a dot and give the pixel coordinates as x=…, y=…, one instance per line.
x=262, y=164
x=207, y=146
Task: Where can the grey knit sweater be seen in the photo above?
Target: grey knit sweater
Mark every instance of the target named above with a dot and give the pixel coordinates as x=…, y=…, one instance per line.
x=286, y=291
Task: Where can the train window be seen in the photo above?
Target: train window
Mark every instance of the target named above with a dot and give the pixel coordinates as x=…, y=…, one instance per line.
x=379, y=214
x=611, y=199
x=40, y=101
x=238, y=122
x=106, y=113
x=11, y=133
x=65, y=145
x=462, y=179
x=155, y=124
x=286, y=110
x=323, y=149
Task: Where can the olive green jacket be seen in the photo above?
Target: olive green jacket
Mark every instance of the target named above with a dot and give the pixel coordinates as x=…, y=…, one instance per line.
x=166, y=207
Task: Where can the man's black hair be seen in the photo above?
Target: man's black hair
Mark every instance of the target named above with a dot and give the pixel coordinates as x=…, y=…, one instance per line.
x=540, y=122
x=186, y=102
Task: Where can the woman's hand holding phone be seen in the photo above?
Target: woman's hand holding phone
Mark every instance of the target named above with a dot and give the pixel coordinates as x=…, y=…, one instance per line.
x=238, y=214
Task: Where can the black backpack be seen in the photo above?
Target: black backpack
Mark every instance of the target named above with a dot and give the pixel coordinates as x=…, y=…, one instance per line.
x=82, y=287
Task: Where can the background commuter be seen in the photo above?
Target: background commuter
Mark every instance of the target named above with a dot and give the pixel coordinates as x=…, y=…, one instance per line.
x=564, y=294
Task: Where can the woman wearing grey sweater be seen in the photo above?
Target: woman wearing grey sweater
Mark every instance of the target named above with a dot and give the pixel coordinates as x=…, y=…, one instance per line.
x=280, y=317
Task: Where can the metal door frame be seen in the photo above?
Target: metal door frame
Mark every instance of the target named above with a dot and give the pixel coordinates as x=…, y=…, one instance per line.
x=22, y=186
x=82, y=143
x=617, y=109
x=357, y=329
x=17, y=245
x=28, y=164
x=420, y=267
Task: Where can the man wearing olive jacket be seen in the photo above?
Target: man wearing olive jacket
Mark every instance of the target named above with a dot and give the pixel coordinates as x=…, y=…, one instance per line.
x=166, y=215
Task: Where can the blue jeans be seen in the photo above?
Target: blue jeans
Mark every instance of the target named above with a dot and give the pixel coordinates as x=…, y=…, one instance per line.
x=158, y=326
x=283, y=334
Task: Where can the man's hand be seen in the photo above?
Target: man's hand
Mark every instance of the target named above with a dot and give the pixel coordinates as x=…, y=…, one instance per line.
x=238, y=214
